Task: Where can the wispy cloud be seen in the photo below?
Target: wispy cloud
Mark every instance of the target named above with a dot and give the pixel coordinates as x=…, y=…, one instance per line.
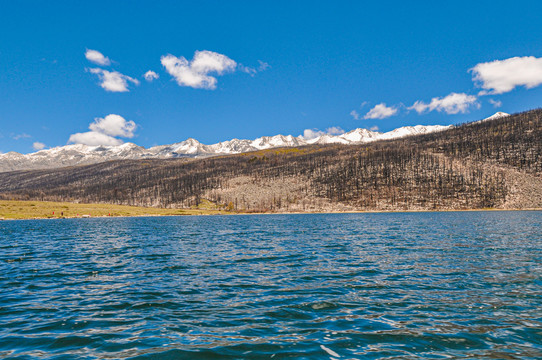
x=247, y=69
x=451, y=104
x=105, y=130
x=263, y=65
x=495, y=103
x=113, y=81
x=196, y=73
x=355, y=115
x=97, y=57
x=253, y=70
x=501, y=76
x=381, y=111
x=150, y=76
x=21, y=136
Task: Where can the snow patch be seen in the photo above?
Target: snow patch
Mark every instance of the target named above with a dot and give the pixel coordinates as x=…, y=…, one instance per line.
x=79, y=154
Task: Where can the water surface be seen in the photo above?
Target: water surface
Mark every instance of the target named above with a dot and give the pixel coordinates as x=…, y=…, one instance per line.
x=350, y=286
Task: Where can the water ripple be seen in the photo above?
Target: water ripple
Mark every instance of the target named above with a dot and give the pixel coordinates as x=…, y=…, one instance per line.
x=371, y=286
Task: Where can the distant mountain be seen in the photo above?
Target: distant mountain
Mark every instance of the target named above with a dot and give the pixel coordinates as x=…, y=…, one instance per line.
x=497, y=115
x=480, y=165
x=71, y=155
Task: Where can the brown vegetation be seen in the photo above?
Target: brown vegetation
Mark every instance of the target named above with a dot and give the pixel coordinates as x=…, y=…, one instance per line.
x=491, y=164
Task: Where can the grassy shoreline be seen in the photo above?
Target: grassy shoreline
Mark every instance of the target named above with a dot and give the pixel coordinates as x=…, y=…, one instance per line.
x=27, y=210
x=21, y=210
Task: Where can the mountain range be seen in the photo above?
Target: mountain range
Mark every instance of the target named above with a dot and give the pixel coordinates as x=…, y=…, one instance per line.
x=479, y=165
x=79, y=154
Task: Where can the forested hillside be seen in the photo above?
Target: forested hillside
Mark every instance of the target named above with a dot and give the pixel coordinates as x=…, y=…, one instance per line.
x=489, y=164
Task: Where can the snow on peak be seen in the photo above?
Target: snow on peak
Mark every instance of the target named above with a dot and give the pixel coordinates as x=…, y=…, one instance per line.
x=497, y=115
x=77, y=154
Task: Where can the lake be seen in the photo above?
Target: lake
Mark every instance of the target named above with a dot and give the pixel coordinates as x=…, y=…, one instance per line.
x=315, y=286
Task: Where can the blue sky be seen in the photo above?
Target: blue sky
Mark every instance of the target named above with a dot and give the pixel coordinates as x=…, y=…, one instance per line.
x=246, y=69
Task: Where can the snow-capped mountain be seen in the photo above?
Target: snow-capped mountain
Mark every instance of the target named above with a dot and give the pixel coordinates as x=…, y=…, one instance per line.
x=70, y=155
x=497, y=115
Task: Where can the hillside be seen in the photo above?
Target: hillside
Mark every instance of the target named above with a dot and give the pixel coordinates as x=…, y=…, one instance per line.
x=486, y=164
x=78, y=154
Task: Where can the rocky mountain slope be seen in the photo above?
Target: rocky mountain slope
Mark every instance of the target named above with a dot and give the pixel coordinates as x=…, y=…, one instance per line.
x=486, y=164
x=71, y=155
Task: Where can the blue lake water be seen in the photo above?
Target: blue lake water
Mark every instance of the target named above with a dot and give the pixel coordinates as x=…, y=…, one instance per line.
x=344, y=286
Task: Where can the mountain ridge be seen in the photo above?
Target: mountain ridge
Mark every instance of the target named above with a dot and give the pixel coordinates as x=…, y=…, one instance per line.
x=478, y=165
x=79, y=154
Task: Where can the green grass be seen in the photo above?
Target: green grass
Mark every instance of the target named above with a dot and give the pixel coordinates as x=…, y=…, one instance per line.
x=46, y=209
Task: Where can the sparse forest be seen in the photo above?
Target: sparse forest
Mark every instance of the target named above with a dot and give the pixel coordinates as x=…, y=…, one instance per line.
x=491, y=164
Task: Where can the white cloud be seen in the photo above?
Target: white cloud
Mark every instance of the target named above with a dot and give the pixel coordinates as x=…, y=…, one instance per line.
x=97, y=57
x=495, y=103
x=114, y=125
x=501, y=76
x=451, y=104
x=309, y=134
x=419, y=106
x=94, y=138
x=150, y=76
x=38, y=145
x=355, y=114
x=104, y=130
x=195, y=73
x=113, y=81
x=380, y=111
x=374, y=128
x=334, y=130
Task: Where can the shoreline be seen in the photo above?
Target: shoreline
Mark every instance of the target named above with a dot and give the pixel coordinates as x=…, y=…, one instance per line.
x=209, y=212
